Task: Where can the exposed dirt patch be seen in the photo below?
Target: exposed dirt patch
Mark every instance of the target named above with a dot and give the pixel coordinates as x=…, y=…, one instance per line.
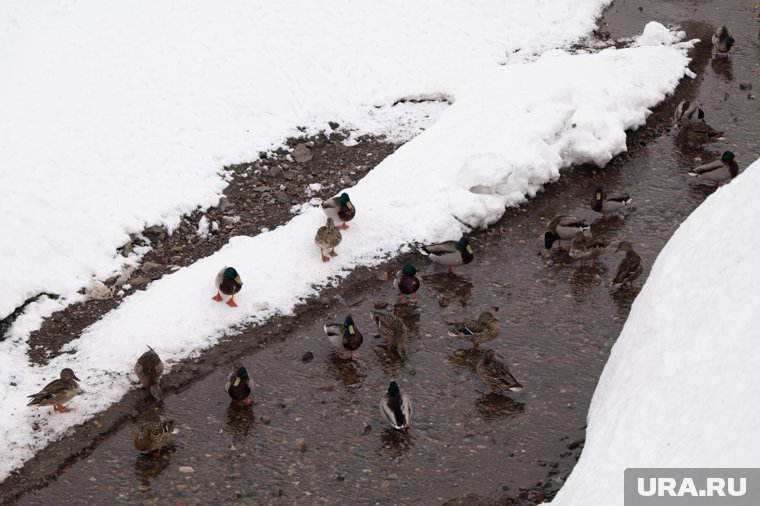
x=260, y=196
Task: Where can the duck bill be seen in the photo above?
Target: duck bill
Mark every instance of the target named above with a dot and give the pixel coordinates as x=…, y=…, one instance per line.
x=237, y=382
x=548, y=253
x=238, y=280
x=469, y=249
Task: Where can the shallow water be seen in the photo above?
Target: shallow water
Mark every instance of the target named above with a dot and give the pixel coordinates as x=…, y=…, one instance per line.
x=558, y=325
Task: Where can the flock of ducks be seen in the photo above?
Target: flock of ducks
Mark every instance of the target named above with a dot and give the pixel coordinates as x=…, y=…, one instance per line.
x=396, y=406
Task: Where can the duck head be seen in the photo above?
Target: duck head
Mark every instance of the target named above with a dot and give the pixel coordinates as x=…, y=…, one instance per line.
x=231, y=273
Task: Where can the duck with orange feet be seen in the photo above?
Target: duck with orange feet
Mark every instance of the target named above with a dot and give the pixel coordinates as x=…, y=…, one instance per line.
x=228, y=283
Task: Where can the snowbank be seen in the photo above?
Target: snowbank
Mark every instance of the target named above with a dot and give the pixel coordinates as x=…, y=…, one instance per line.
x=508, y=133
x=120, y=115
x=680, y=387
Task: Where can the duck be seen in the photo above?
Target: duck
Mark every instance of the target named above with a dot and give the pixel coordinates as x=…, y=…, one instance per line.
x=228, y=283
x=583, y=249
x=407, y=281
x=392, y=330
x=396, y=407
x=562, y=228
x=58, y=392
x=630, y=267
x=451, y=253
x=153, y=435
x=495, y=374
x=149, y=369
x=718, y=171
x=722, y=41
x=239, y=386
x=341, y=209
x=690, y=119
x=608, y=202
x=485, y=328
x=328, y=238
x=344, y=336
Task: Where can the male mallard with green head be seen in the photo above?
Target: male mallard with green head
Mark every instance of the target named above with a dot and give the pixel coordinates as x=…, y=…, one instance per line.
x=345, y=337
x=451, y=253
x=396, y=407
x=722, y=41
x=495, y=374
x=407, y=282
x=328, y=238
x=584, y=249
x=609, y=202
x=630, y=267
x=149, y=369
x=392, y=330
x=718, y=171
x=340, y=209
x=228, y=283
x=562, y=228
x=239, y=386
x=153, y=435
x=57, y=392
x=485, y=328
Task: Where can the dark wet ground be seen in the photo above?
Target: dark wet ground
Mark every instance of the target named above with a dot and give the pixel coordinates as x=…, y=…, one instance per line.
x=558, y=324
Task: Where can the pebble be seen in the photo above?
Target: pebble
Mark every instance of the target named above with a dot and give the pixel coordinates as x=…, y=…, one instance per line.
x=186, y=469
x=381, y=304
x=307, y=357
x=300, y=444
x=382, y=276
x=443, y=301
x=265, y=420
x=302, y=153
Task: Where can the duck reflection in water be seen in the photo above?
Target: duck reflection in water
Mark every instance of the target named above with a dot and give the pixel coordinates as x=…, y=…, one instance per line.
x=493, y=406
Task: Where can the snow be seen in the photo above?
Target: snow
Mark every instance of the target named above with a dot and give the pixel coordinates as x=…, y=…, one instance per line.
x=117, y=116
x=152, y=102
x=681, y=379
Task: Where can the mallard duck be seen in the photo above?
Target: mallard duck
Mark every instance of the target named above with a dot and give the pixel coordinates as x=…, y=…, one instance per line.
x=57, y=392
x=722, y=41
x=495, y=374
x=630, y=267
x=451, y=253
x=690, y=119
x=328, y=237
x=392, y=330
x=562, y=228
x=396, y=407
x=718, y=171
x=583, y=249
x=240, y=386
x=227, y=283
x=153, y=435
x=149, y=369
x=345, y=337
x=485, y=328
x=686, y=112
x=407, y=282
x=340, y=209
x=608, y=202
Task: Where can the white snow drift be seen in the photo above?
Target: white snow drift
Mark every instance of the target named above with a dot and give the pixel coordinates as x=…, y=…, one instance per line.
x=680, y=387
x=118, y=115
x=510, y=131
